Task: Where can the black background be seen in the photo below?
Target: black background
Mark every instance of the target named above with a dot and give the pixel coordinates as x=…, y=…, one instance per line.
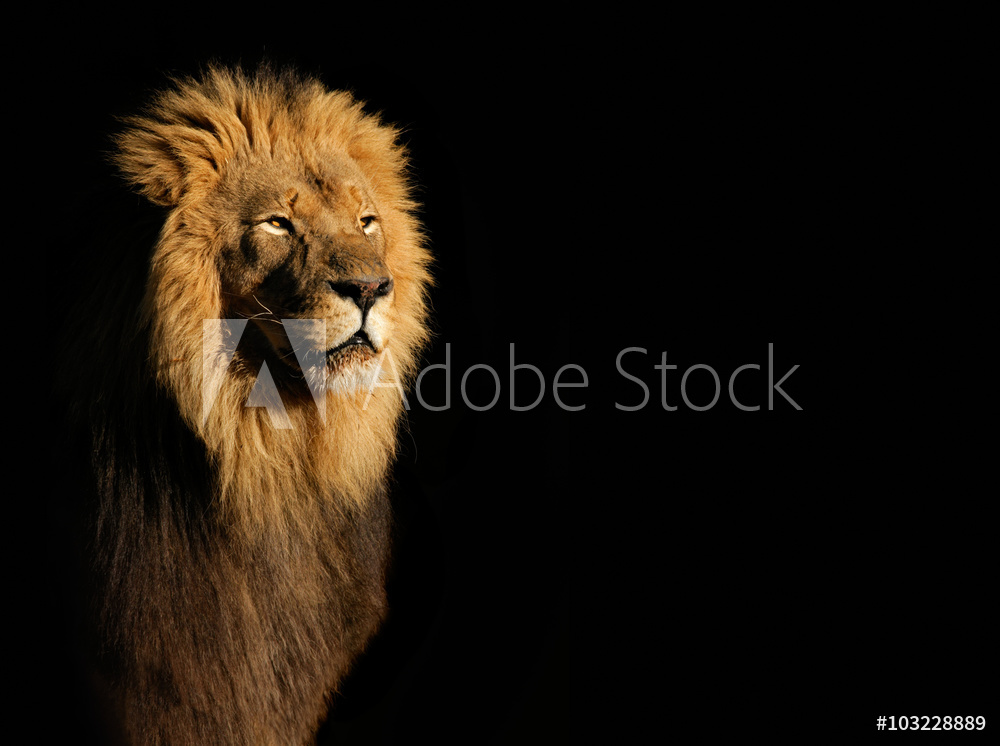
x=700, y=188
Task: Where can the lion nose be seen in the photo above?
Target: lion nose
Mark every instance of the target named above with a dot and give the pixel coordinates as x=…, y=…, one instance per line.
x=364, y=291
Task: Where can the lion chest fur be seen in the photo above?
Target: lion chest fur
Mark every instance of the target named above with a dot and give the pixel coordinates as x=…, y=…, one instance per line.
x=236, y=568
x=211, y=636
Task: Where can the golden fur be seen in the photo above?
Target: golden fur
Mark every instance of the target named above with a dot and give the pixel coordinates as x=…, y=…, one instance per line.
x=176, y=160
x=237, y=567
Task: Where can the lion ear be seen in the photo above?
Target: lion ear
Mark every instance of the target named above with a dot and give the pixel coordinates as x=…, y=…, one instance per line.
x=165, y=161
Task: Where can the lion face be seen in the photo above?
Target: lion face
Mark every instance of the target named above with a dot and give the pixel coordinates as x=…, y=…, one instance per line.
x=288, y=210
x=309, y=247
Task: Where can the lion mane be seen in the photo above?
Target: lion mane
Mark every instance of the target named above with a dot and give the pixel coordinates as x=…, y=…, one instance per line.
x=235, y=564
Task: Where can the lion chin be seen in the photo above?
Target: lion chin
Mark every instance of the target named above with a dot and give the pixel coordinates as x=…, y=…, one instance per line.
x=234, y=562
x=354, y=366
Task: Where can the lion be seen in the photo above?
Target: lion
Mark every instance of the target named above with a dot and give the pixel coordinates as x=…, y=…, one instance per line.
x=237, y=385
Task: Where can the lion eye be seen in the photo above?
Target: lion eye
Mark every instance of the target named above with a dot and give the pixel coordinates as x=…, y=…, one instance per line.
x=368, y=223
x=277, y=225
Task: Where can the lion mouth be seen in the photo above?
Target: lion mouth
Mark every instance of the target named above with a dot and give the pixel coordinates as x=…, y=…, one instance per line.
x=357, y=348
x=359, y=340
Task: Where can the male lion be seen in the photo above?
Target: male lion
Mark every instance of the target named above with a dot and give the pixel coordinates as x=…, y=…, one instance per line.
x=236, y=554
